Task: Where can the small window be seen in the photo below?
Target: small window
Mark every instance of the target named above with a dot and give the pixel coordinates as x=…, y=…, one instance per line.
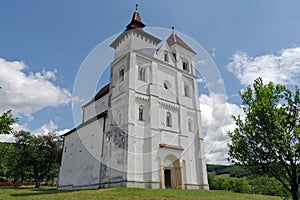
x=121, y=74
x=167, y=85
x=186, y=90
x=169, y=119
x=141, y=113
x=174, y=55
x=141, y=75
x=166, y=56
x=190, y=125
x=185, y=66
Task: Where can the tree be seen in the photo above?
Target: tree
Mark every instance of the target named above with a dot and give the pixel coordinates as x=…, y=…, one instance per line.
x=267, y=141
x=6, y=151
x=39, y=155
x=6, y=120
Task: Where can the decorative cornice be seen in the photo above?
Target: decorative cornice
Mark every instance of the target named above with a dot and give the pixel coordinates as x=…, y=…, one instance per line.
x=142, y=97
x=173, y=107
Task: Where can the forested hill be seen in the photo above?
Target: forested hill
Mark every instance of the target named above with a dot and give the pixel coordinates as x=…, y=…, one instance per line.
x=233, y=170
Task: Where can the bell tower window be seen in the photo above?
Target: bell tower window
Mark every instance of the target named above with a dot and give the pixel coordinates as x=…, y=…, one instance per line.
x=121, y=74
x=185, y=66
x=169, y=119
x=141, y=113
x=142, y=73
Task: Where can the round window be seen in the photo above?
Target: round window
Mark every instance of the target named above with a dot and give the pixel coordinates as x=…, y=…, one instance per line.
x=167, y=85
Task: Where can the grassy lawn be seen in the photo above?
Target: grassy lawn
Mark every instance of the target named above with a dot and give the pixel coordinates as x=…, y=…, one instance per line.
x=121, y=193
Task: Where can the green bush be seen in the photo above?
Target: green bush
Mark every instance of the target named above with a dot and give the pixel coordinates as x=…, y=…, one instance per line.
x=257, y=185
x=268, y=186
x=239, y=185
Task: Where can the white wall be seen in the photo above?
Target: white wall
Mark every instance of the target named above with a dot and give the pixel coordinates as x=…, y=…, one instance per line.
x=82, y=155
x=95, y=108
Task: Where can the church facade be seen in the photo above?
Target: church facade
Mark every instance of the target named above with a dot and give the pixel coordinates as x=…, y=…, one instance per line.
x=143, y=129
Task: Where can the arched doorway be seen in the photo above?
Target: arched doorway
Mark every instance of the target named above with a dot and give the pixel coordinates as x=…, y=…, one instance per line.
x=171, y=173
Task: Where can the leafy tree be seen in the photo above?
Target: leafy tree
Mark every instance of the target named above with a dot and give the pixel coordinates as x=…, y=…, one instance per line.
x=6, y=151
x=21, y=159
x=267, y=141
x=39, y=155
x=268, y=186
x=6, y=120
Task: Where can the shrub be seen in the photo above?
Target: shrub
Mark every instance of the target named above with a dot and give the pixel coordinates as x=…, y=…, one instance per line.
x=239, y=185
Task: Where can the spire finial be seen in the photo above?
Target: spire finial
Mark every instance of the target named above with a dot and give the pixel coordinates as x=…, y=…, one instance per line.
x=136, y=6
x=172, y=29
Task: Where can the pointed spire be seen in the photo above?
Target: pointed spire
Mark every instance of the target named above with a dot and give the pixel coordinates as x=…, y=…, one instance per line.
x=136, y=21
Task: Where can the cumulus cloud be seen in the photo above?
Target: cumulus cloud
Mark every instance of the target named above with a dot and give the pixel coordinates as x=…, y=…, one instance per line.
x=281, y=68
x=10, y=137
x=61, y=132
x=50, y=127
x=217, y=121
x=25, y=94
x=7, y=138
x=45, y=129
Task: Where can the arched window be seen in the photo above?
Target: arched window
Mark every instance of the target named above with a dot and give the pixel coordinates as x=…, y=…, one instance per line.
x=169, y=119
x=190, y=125
x=141, y=113
x=141, y=75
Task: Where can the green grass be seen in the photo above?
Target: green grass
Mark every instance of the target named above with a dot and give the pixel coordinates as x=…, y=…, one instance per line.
x=122, y=193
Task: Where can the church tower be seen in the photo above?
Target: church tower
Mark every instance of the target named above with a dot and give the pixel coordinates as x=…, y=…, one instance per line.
x=150, y=119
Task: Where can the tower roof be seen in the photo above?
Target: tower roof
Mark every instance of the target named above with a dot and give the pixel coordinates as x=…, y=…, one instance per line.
x=175, y=39
x=136, y=21
x=136, y=25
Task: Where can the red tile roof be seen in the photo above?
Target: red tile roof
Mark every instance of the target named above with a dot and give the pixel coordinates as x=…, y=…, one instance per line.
x=103, y=91
x=174, y=39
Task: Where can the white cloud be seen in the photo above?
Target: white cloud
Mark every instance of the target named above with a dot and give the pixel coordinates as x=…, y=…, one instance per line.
x=282, y=68
x=49, y=127
x=10, y=137
x=217, y=121
x=45, y=129
x=25, y=94
x=61, y=132
x=7, y=138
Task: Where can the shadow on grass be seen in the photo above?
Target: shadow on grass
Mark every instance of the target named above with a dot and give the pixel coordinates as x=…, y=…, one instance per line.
x=38, y=191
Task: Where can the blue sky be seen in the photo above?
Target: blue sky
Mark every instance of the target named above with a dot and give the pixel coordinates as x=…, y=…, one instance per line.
x=45, y=42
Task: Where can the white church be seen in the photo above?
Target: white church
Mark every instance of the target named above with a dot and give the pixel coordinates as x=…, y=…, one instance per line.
x=143, y=129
